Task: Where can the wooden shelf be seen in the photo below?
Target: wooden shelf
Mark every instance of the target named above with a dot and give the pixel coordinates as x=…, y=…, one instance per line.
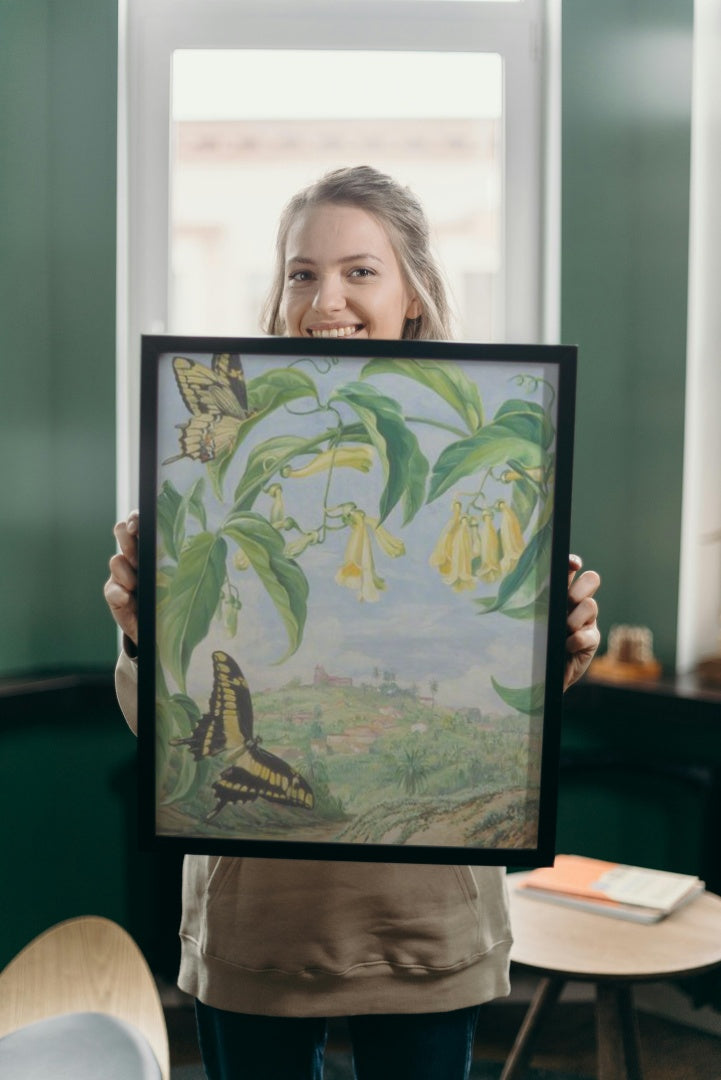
x=682, y=696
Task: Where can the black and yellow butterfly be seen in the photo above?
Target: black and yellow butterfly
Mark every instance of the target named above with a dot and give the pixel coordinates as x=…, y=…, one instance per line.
x=228, y=725
x=218, y=401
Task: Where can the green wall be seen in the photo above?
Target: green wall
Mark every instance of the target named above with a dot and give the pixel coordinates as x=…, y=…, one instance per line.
x=625, y=200
x=626, y=137
x=68, y=788
x=58, y=71
x=67, y=776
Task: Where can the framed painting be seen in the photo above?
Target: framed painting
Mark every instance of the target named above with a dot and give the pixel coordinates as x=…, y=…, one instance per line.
x=352, y=597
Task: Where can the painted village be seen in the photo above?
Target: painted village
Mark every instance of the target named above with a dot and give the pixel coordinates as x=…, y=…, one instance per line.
x=387, y=764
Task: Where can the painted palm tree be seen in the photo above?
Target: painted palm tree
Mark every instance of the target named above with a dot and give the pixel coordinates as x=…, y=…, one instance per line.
x=433, y=684
x=411, y=771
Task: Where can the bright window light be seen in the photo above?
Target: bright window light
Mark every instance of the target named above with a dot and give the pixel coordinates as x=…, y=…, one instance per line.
x=434, y=121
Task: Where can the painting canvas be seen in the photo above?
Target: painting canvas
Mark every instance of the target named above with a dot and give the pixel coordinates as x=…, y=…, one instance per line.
x=352, y=595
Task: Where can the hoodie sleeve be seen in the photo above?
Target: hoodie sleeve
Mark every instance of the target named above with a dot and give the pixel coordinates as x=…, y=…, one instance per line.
x=126, y=688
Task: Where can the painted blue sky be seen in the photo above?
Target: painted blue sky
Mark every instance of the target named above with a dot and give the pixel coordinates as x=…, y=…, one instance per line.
x=420, y=628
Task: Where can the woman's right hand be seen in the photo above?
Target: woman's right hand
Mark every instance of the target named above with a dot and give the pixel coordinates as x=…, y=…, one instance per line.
x=121, y=587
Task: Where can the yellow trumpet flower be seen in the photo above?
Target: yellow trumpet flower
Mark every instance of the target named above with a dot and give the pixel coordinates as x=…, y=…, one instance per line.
x=240, y=560
x=490, y=549
x=296, y=547
x=441, y=554
x=510, y=475
x=392, y=545
x=340, y=457
x=453, y=553
x=476, y=550
x=512, y=541
x=358, y=572
x=277, y=510
x=460, y=575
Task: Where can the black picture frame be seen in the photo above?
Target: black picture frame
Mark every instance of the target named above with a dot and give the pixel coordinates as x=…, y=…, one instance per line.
x=353, y=573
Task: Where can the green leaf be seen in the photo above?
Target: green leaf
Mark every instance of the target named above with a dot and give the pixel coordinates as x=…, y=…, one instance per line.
x=405, y=467
x=537, y=609
x=161, y=689
x=163, y=578
x=527, y=419
x=531, y=571
x=283, y=579
x=520, y=589
x=277, y=387
x=186, y=612
x=527, y=699
x=196, y=504
x=266, y=459
x=168, y=504
x=523, y=500
x=191, y=502
x=492, y=445
x=266, y=393
x=179, y=776
x=173, y=509
x=443, y=377
x=191, y=710
x=175, y=717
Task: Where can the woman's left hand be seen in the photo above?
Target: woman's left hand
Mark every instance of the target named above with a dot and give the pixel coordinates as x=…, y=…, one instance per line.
x=583, y=635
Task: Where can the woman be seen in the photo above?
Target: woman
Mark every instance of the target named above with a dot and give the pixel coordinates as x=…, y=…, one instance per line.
x=271, y=948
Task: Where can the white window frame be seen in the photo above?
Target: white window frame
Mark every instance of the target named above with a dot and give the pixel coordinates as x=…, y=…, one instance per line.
x=699, y=597
x=526, y=34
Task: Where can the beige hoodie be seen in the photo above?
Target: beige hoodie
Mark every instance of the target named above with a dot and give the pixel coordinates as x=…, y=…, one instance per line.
x=285, y=937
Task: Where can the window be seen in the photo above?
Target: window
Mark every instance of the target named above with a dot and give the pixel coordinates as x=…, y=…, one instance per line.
x=227, y=107
x=237, y=158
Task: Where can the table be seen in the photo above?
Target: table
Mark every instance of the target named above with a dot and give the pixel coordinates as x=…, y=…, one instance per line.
x=562, y=944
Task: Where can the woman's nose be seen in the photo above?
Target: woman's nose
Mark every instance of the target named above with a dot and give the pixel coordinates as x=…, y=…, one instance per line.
x=329, y=296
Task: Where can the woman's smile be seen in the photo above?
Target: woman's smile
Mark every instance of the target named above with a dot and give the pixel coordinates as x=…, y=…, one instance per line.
x=342, y=277
x=334, y=331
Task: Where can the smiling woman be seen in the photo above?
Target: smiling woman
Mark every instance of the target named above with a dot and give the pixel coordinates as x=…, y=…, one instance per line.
x=304, y=933
x=330, y=292
x=353, y=259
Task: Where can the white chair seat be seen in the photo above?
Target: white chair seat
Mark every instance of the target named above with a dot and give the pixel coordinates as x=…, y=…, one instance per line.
x=78, y=1046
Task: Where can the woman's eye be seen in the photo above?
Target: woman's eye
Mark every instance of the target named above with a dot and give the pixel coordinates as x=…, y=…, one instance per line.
x=300, y=276
x=362, y=272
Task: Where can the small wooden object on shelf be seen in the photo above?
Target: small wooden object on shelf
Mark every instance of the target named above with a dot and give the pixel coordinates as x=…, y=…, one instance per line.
x=629, y=657
x=708, y=671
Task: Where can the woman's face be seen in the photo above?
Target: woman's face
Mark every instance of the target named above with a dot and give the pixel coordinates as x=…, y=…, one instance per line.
x=342, y=277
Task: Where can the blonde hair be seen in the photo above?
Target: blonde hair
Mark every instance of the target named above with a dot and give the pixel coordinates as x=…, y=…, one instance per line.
x=403, y=217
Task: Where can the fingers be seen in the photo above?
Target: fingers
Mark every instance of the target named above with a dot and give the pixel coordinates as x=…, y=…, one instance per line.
x=582, y=634
x=581, y=646
x=575, y=562
x=121, y=587
x=582, y=613
x=120, y=600
x=123, y=573
x=582, y=587
x=586, y=641
x=123, y=608
x=582, y=607
x=126, y=533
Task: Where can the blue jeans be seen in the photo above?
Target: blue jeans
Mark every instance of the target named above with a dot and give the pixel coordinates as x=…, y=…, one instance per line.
x=415, y=1046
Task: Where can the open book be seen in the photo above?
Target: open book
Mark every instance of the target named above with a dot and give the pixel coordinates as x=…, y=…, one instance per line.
x=608, y=888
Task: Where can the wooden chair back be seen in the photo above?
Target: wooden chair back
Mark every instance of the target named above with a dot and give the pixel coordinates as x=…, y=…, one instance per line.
x=86, y=964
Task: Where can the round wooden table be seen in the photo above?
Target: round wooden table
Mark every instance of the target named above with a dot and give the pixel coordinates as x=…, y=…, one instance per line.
x=562, y=944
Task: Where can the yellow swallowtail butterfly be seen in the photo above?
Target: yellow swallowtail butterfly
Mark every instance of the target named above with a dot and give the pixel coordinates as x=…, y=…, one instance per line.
x=217, y=399
x=228, y=726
